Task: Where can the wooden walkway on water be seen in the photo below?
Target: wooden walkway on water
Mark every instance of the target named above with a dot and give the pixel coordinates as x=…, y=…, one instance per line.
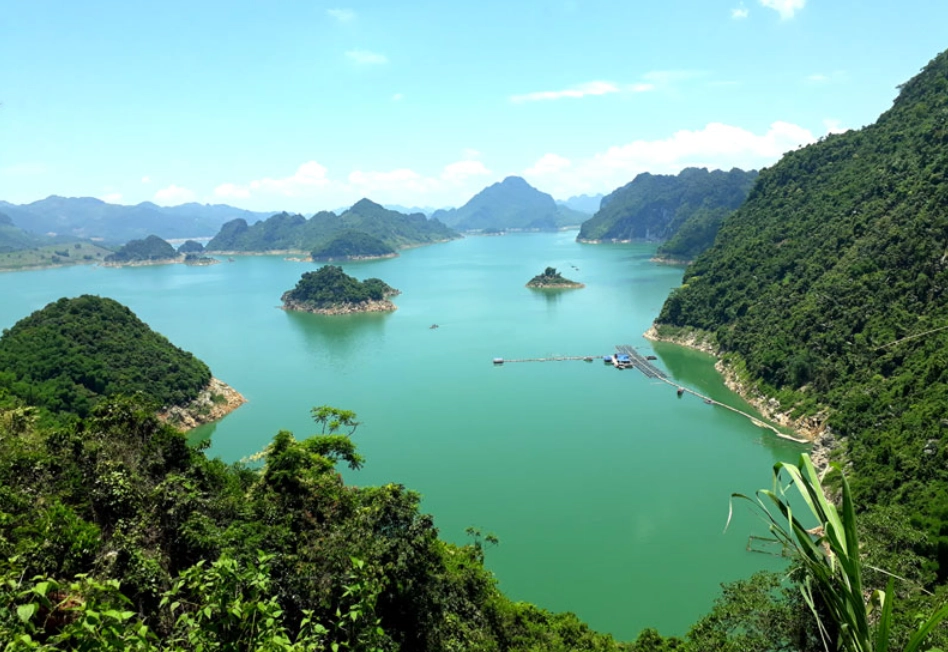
x=556, y=358
x=652, y=372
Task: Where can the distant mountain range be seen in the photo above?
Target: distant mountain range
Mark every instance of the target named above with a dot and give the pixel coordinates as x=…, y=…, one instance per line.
x=684, y=210
x=511, y=204
x=588, y=204
x=90, y=218
x=287, y=232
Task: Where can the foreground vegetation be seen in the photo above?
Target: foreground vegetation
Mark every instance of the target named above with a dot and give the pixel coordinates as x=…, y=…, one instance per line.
x=116, y=535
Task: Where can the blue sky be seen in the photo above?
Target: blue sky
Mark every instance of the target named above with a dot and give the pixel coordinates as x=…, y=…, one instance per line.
x=308, y=105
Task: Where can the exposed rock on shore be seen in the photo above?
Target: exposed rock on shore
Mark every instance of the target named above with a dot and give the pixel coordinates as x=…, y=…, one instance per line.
x=812, y=428
x=383, y=305
x=215, y=401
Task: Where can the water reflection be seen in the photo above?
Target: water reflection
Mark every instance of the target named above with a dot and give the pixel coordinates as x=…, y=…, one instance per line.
x=338, y=337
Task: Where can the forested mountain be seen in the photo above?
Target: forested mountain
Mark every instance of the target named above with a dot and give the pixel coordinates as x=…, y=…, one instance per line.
x=510, y=204
x=88, y=217
x=71, y=354
x=151, y=248
x=286, y=232
x=828, y=289
x=685, y=210
x=352, y=245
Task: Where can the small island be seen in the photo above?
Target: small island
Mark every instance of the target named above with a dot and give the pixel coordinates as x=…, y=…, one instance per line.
x=156, y=251
x=551, y=279
x=330, y=291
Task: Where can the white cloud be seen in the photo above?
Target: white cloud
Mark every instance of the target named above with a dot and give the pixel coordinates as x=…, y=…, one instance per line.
x=463, y=170
x=308, y=177
x=582, y=90
x=366, y=57
x=786, y=8
x=342, y=15
x=716, y=146
x=111, y=198
x=398, y=97
x=548, y=164
x=232, y=191
x=173, y=195
x=312, y=187
x=146, y=179
x=834, y=126
x=739, y=13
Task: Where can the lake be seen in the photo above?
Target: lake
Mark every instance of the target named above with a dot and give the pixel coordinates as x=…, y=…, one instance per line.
x=608, y=492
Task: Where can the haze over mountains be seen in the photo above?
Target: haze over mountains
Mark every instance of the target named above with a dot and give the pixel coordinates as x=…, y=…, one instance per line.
x=91, y=218
x=510, y=204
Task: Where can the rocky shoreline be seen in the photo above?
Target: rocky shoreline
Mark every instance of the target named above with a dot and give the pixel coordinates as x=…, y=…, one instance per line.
x=555, y=286
x=341, y=308
x=194, y=262
x=812, y=428
x=215, y=401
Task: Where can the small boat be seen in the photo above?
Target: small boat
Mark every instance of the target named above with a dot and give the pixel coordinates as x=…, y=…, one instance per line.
x=433, y=326
x=498, y=361
x=588, y=358
x=651, y=357
x=709, y=401
x=681, y=390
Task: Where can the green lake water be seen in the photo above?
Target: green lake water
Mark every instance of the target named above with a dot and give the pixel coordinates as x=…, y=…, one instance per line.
x=608, y=492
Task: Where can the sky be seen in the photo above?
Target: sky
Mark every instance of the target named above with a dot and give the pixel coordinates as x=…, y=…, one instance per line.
x=306, y=105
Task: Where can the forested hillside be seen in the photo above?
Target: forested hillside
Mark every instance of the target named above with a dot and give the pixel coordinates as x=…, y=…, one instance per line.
x=684, y=210
x=828, y=289
x=352, y=244
x=510, y=204
x=149, y=249
x=73, y=353
x=285, y=232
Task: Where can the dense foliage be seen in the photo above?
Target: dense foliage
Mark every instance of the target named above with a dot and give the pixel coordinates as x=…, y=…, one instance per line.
x=829, y=289
x=191, y=247
x=285, y=232
x=115, y=535
x=150, y=249
x=68, y=356
x=329, y=286
x=685, y=210
x=352, y=244
x=510, y=204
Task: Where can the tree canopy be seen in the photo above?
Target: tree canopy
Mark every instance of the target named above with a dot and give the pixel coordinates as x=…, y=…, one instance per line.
x=71, y=354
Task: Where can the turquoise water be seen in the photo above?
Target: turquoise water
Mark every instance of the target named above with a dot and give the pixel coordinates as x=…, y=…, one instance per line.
x=608, y=492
